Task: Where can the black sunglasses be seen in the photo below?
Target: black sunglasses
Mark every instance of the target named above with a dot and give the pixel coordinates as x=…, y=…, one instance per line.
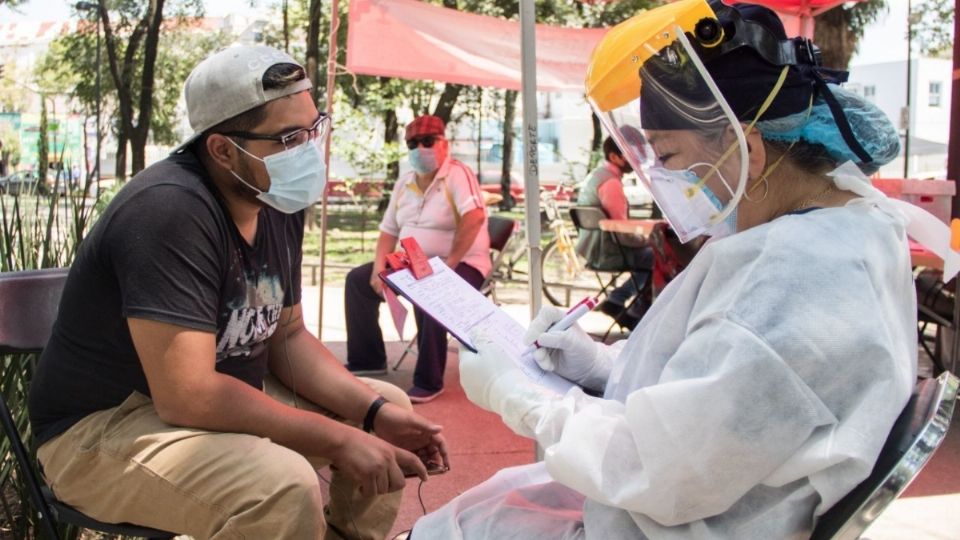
x=427, y=141
x=291, y=139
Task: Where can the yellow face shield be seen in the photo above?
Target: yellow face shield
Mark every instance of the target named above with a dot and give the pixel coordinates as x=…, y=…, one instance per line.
x=651, y=91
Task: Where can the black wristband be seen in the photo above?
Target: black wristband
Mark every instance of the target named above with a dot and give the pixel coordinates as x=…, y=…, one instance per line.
x=372, y=413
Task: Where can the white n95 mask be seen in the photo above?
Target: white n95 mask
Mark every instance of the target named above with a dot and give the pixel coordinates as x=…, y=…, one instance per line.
x=297, y=176
x=688, y=204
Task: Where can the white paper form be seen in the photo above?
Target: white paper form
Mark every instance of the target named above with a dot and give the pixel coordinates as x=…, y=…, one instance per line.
x=460, y=308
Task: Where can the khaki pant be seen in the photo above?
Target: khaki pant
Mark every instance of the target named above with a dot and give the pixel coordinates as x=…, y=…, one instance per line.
x=126, y=465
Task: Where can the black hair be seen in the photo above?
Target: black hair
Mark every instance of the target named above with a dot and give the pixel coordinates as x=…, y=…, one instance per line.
x=276, y=76
x=813, y=158
x=610, y=147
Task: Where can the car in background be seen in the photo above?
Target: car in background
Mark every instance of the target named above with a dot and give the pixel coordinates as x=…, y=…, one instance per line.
x=19, y=183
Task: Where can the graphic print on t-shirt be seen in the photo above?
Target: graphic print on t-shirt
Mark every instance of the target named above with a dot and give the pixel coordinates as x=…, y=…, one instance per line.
x=253, y=317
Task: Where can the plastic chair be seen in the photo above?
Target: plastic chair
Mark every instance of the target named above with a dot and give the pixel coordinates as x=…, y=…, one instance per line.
x=500, y=230
x=915, y=436
x=28, y=307
x=587, y=218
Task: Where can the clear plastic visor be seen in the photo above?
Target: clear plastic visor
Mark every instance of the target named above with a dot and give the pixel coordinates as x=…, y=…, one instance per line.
x=683, y=140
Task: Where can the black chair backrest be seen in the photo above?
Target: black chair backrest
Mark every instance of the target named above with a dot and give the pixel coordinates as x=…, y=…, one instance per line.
x=587, y=217
x=500, y=229
x=29, y=302
x=28, y=307
x=917, y=433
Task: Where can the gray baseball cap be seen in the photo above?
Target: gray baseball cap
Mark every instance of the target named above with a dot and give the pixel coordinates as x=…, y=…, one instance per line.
x=230, y=82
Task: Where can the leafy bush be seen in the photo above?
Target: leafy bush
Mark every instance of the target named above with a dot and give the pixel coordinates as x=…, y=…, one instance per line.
x=36, y=231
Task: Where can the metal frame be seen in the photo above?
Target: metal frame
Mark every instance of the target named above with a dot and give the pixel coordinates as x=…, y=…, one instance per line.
x=915, y=436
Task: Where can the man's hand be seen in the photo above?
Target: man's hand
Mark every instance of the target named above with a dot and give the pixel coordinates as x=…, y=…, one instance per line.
x=376, y=283
x=407, y=429
x=375, y=465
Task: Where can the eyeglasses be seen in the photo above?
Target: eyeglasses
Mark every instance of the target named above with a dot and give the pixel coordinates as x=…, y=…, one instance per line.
x=427, y=141
x=291, y=139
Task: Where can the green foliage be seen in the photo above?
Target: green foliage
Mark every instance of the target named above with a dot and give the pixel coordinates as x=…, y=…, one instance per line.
x=862, y=14
x=14, y=372
x=357, y=140
x=933, y=22
x=37, y=230
x=13, y=95
x=69, y=66
x=11, y=146
x=837, y=31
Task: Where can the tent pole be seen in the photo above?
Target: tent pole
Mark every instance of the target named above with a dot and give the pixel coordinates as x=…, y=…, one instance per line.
x=531, y=169
x=331, y=93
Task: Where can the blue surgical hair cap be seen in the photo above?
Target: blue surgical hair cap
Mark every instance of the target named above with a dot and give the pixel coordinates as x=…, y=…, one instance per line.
x=871, y=128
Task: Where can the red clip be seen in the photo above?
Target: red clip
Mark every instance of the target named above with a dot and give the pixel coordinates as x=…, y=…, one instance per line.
x=419, y=265
x=397, y=261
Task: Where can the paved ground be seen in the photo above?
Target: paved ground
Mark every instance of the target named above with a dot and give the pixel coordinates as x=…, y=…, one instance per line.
x=481, y=445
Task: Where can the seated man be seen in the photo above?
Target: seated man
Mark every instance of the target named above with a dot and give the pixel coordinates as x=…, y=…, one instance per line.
x=439, y=204
x=183, y=305
x=604, y=188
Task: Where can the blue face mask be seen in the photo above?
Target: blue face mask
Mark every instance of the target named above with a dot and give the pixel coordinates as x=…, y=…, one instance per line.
x=297, y=177
x=424, y=160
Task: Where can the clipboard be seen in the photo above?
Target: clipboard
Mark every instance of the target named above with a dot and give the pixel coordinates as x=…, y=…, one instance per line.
x=434, y=277
x=442, y=294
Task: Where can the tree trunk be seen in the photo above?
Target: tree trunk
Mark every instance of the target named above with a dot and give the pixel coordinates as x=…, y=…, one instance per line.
x=390, y=129
x=120, y=167
x=122, y=79
x=313, y=49
x=596, y=142
x=837, y=42
x=509, y=112
x=43, y=160
x=451, y=92
x=448, y=99
x=140, y=133
x=286, y=27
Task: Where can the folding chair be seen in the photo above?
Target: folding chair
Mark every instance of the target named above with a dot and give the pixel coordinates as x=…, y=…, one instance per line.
x=500, y=230
x=915, y=436
x=587, y=218
x=28, y=307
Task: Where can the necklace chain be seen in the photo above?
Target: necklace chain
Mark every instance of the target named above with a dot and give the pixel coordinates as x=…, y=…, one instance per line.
x=809, y=201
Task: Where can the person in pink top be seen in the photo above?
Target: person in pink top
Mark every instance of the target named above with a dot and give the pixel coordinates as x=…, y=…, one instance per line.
x=604, y=188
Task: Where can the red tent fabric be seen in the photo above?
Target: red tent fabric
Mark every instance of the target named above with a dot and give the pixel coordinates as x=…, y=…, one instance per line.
x=415, y=40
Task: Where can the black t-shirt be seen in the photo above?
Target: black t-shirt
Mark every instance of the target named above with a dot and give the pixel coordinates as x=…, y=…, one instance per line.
x=167, y=250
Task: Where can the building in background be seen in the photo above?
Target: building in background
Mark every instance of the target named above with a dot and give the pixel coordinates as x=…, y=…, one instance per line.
x=928, y=116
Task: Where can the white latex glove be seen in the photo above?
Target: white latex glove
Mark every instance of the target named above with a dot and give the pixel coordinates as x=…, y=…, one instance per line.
x=570, y=353
x=494, y=382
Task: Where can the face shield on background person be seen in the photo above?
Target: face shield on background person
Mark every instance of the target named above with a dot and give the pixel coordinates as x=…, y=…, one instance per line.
x=652, y=92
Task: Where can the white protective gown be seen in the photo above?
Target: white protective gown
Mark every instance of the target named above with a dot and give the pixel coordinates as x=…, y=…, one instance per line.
x=757, y=391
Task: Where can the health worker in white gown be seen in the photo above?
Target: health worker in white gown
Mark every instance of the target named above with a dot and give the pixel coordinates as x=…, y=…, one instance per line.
x=761, y=385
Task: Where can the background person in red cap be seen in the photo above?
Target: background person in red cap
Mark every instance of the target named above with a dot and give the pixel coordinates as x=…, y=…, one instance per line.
x=438, y=202
x=183, y=307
